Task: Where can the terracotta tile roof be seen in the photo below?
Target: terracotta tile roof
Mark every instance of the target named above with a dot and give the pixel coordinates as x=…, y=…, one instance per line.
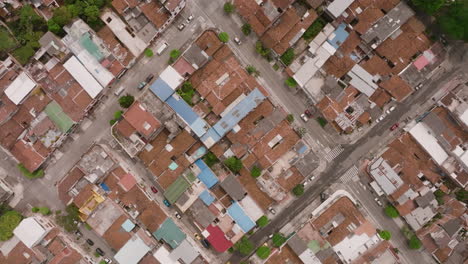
x=406, y=208
x=28, y=155
x=67, y=183
x=250, y=184
x=121, y=5
x=380, y=97
x=367, y=18
x=9, y=132
x=142, y=120
x=127, y=182
x=6, y=109
x=364, y=118
x=253, y=14
x=155, y=12
x=329, y=108
x=275, y=33
x=209, y=42
x=18, y=255
x=83, y=195
x=152, y=217
x=397, y=87
x=376, y=65
x=119, y=51
x=350, y=44
x=149, y=259
x=116, y=236
x=288, y=183
x=285, y=255
x=338, y=66
x=125, y=128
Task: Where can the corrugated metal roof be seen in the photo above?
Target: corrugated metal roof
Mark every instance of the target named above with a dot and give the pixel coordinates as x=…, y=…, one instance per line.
x=385, y=176
x=20, y=88
x=83, y=77
x=206, y=197
x=197, y=124
x=206, y=175
x=161, y=89
x=337, y=7
x=176, y=189
x=241, y=218
x=340, y=35
x=133, y=251
x=171, y=77
x=170, y=233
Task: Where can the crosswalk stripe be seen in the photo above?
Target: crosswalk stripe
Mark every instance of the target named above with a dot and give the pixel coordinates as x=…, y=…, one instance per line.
x=335, y=152
x=349, y=174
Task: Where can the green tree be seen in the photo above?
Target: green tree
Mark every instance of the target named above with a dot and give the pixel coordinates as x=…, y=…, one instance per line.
x=210, y=159
x=252, y=70
x=453, y=20
x=246, y=29
x=8, y=222
x=290, y=82
x=126, y=101
x=7, y=42
x=62, y=16
x=118, y=114
x=290, y=118
x=255, y=172
x=34, y=209
x=44, y=210
x=264, y=52
x=91, y=13
x=54, y=27
x=462, y=195
x=385, y=234
x=234, y=164
x=278, y=239
x=69, y=221
x=298, y=190
x=263, y=221
x=314, y=29
x=30, y=175
x=288, y=57
x=263, y=252
x=229, y=8
x=223, y=37
x=439, y=195
x=428, y=6
x=149, y=53
x=414, y=242
x=77, y=9
x=244, y=246
x=174, y=54
x=391, y=211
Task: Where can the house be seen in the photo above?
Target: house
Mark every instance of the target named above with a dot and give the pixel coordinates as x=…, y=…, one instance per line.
x=32, y=230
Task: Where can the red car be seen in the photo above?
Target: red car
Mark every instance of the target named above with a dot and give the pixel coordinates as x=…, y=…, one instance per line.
x=153, y=189
x=308, y=113
x=395, y=126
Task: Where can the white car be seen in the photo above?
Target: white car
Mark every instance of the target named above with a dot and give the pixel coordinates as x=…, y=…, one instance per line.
x=181, y=26
x=304, y=117
x=270, y=236
x=380, y=118
x=237, y=40
x=312, y=178
x=271, y=210
x=379, y=203
x=390, y=109
x=418, y=86
x=189, y=19
x=178, y=215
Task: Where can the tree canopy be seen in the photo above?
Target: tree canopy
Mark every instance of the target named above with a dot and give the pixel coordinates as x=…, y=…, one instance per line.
x=255, y=172
x=385, y=234
x=414, y=242
x=246, y=29
x=229, y=8
x=288, y=56
x=278, y=239
x=234, y=164
x=454, y=20
x=126, y=101
x=263, y=221
x=263, y=252
x=244, y=246
x=224, y=37
x=8, y=222
x=428, y=6
x=391, y=211
x=298, y=190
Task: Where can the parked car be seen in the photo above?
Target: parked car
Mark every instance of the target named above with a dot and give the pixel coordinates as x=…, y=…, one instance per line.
x=270, y=236
x=189, y=19
x=109, y=261
x=380, y=118
x=100, y=252
x=390, y=109
x=304, y=117
x=418, y=86
x=205, y=243
x=395, y=126
x=141, y=85
x=197, y=236
x=271, y=210
x=78, y=233
x=178, y=215
x=181, y=26
x=312, y=178
x=162, y=48
x=308, y=113
x=167, y=203
x=379, y=203
x=90, y=242
x=237, y=40
x=119, y=90
x=323, y=197
x=154, y=190
x=149, y=78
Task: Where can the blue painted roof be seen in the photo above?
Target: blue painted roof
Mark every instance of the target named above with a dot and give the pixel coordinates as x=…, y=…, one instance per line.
x=206, y=175
x=206, y=197
x=238, y=112
x=197, y=124
x=302, y=149
x=340, y=36
x=210, y=134
x=105, y=187
x=161, y=89
x=128, y=225
x=238, y=214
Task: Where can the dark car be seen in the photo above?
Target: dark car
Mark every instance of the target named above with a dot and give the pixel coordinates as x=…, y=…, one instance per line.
x=149, y=78
x=395, y=126
x=308, y=113
x=323, y=197
x=154, y=190
x=100, y=252
x=90, y=242
x=205, y=243
x=167, y=203
x=141, y=85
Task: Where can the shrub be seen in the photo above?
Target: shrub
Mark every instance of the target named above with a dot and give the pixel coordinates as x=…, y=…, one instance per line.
x=118, y=114
x=44, y=210
x=264, y=52
x=87, y=226
x=174, y=54
x=314, y=29
x=439, y=195
x=278, y=240
x=255, y=172
x=8, y=222
x=69, y=221
x=210, y=159
x=31, y=175
x=263, y=252
x=288, y=57
x=275, y=67
x=112, y=122
x=126, y=101
x=149, y=53
x=462, y=195
x=453, y=20
x=252, y=70
x=414, y=242
x=223, y=37
x=391, y=211
x=229, y=8
x=385, y=235
x=290, y=82
x=263, y=221
x=246, y=29
x=290, y=118
x=244, y=246
x=34, y=209
x=187, y=92
x=298, y=190
x=234, y=164
x=322, y=121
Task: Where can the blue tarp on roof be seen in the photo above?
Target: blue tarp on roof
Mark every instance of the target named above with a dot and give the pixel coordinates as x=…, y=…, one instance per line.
x=206, y=175
x=105, y=187
x=198, y=125
x=161, y=89
x=340, y=36
x=238, y=112
x=206, y=197
x=242, y=220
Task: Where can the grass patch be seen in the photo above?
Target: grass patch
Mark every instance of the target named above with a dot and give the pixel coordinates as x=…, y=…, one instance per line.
x=187, y=92
x=210, y=159
x=31, y=175
x=275, y=67
x=7, y=42
x=322, y=121
x=288, y=57
x=314, y=29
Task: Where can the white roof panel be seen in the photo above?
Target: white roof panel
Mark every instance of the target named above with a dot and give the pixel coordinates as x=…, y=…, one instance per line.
x=132, y=252
x=338, y=6
x=306, y=72
x=422, y=134
x=83, y=77
x=251, y=208
x=171, y=77
x=20, y=88
x=101, y=74
x=30, y=232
